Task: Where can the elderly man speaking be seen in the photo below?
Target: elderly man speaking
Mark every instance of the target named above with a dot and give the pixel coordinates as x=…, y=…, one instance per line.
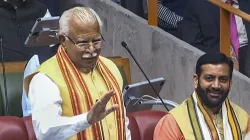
x=77, y=94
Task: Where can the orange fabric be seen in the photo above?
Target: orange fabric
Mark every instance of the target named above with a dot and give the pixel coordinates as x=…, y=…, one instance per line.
x=168, y=129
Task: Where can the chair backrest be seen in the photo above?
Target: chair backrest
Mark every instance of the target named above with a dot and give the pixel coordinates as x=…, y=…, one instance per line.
x=14, y=82
x=124, y=67
x=1, y=105
x=14, y=93
x=29, y=127
x=142, y=124
x=12, y=128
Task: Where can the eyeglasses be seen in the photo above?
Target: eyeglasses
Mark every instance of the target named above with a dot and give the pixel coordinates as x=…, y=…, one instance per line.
x=96, y=43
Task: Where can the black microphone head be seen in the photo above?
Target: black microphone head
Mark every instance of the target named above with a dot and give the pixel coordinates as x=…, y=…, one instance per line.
x=124, y=44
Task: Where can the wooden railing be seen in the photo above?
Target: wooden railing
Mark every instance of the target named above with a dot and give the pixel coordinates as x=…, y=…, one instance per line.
x=153, y=12
x=225, y=10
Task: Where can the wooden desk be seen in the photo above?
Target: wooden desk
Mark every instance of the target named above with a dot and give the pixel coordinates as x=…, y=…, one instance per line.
x=14, y=66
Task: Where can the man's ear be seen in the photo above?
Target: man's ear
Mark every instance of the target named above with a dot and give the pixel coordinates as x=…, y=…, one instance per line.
x=195, y=80
x=62, y=39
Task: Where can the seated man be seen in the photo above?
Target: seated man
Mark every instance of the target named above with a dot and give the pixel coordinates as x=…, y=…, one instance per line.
x=16, y=21
x=207, y=113
x=75, y=89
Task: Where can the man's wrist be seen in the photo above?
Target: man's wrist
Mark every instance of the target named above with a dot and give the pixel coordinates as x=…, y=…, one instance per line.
x=88, y=119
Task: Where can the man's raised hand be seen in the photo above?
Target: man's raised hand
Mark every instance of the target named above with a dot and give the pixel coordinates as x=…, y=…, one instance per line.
x=99, y=110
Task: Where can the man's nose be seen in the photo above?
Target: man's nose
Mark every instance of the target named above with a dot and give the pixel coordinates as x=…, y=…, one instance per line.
x=216, y=84
x=91, y=48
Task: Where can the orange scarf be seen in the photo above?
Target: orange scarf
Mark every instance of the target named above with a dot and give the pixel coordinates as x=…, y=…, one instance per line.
x=194, y=106
x=81, y=104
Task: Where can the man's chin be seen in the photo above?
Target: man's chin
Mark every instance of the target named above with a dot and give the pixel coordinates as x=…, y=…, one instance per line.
x=88, y=66
x=212, y=103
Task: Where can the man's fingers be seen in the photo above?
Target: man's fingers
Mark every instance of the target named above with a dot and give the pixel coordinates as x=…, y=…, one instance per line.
x=104, y=100
x=110, y=110
x=101, y=104
x=98, y=113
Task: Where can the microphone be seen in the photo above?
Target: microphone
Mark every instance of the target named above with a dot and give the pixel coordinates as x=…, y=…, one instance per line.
x=4, y=76
x=126, y=47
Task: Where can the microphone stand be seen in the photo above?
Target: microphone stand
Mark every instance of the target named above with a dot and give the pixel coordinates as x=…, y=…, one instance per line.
x=4, y=72
x=103, y=137
x=102, y=130
x=4, y=77
x=126, y=47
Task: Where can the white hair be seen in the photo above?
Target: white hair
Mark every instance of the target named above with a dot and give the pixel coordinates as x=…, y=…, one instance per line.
x=85, y=14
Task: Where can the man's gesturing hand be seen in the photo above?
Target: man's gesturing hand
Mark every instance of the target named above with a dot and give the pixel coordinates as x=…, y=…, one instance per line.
x=99, y=111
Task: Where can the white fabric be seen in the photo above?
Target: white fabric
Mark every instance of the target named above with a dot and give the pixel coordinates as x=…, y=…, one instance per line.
x=247, y=137
x=46, y=106
x=242, y=34
x=31, y=67
x=204, y=127
x=201, y=120
x=227, y=130
x=241, y=31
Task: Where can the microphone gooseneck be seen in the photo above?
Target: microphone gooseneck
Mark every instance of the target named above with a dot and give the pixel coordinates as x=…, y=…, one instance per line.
x=102, y=130
x=126, y=47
